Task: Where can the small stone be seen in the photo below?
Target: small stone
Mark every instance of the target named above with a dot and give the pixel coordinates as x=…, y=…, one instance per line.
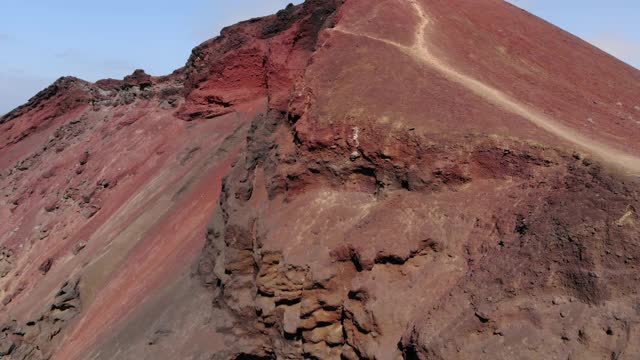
x=51, y=204
x=79, y=247
x=308, y=305
x=348, y=353
x=89, y=211
x=106, y=183
x=158, y=335
x=362, y=319
x=84, y=158
x=335, y=335
x=48, y=174
x=7, y=300
x=324, y=316
x=6, y=347
x=291, y=320
x=23, y=165
x=44, y=232
x=265, y=305
x=331, y=334
x=354, y=155
x=46, y=266
x=483, y=313
x=167, y=104
x=482, y=316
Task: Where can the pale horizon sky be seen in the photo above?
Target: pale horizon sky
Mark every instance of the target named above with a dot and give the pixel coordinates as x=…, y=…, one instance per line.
x=41, y=40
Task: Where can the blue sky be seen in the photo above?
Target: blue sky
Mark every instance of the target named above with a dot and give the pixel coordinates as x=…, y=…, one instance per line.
x=612, y=25
x=41, y=40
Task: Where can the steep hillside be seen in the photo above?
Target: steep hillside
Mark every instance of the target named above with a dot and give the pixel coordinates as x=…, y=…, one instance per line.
x=416, y=179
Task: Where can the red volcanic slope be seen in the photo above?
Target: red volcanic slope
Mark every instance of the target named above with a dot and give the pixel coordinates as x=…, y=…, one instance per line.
x=347, y=179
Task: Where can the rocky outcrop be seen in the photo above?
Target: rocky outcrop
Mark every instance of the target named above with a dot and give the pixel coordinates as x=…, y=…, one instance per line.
x=341, y=308
x=68, y=92
x=388, y=180
x=35, y=339
x=257, y=58
x=6, y=261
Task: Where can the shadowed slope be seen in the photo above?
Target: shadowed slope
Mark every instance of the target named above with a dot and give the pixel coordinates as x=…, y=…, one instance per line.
x=388, y=179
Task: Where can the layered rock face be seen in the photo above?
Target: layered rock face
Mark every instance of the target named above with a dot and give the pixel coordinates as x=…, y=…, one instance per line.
x=400, y=179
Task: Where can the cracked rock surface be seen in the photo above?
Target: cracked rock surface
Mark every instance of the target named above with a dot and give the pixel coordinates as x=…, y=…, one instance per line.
x=345, y=179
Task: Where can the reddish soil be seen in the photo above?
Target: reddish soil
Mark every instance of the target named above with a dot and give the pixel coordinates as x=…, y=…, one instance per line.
x=390, y=179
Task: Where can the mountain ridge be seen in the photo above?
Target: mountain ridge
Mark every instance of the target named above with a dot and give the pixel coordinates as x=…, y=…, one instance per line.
x=461, y=159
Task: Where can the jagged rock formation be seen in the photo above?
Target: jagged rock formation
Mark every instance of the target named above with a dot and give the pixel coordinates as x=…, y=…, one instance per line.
x=399, y=179
x=36, y=339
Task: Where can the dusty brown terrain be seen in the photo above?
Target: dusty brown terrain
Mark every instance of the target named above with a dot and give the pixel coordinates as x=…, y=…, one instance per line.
x=346, y=179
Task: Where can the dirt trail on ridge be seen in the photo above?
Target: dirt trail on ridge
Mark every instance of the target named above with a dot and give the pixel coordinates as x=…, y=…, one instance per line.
x=419, y=51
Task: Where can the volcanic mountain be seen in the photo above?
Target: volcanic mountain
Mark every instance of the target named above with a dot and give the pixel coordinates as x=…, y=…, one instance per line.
x=345, y=179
